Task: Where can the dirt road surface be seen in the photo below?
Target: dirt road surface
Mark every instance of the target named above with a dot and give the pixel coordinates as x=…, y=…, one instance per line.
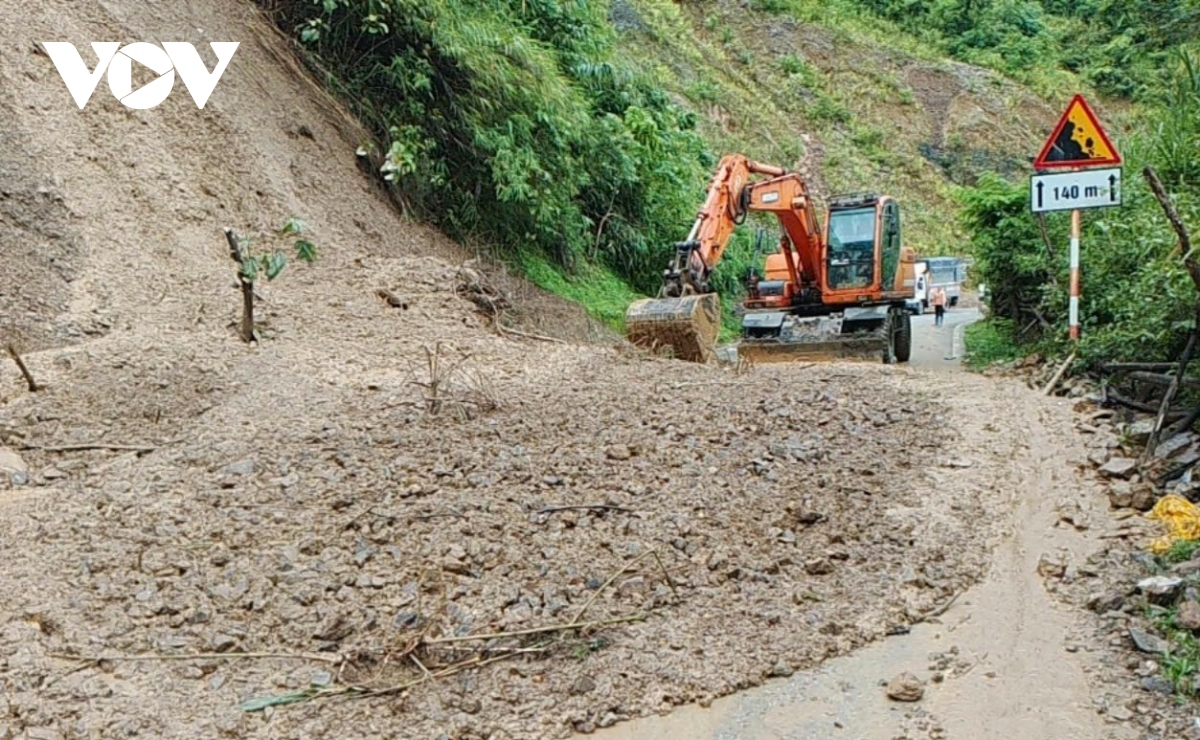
x=1005, y=660
x=352, y=502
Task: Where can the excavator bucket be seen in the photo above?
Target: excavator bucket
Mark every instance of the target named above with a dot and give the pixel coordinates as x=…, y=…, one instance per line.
x=687, y=325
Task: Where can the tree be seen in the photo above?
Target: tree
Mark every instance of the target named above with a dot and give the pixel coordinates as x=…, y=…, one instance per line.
x=269, y=263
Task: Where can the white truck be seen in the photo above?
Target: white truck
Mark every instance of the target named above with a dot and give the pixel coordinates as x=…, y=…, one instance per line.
x=947, y=273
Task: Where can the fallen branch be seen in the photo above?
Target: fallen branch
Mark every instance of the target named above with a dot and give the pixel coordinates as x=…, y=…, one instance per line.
x=1185, y=424
x=91, y=446
x=1058, y=375
x=939, y=611
x=574, y=625
x=580, y=614
x=33, y=386
x=1162, y=379
x=527, y=335
x=1117, y=398
x=196, y=656
x=610, y=507
x=1189, y=261
x=1117, y=367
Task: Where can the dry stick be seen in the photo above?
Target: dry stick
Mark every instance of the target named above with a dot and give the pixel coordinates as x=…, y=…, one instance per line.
x=197, y=656
x=1162, y=379
x=1117, y=398
x=611, y=507
x=1117, y=367
x=1184, y=424
x=91, y=446
x=1189, y=261
x=527, y=335
x=33, y=386
x=1041, y=219
x=235, y=251
x=1061, y=369
x=607, y=583
x=575, y=625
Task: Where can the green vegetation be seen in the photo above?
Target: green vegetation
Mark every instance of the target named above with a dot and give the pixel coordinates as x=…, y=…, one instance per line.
x=1118, y=46
x=1138, y=301
x=514, y=123
x=597, y=288
x=989, y=342
x=1181, y=665
x=1181, y=551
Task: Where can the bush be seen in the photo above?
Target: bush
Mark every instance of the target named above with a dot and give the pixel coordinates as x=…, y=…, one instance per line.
x=1137, y=299
x=510, y=122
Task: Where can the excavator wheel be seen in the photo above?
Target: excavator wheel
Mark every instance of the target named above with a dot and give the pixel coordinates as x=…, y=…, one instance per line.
x=904, y=339
x=897, y=333
x=687, y=326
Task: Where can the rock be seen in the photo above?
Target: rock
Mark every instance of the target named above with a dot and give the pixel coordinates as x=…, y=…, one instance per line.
x=1049, y=568
x=241, y=467
x=905, y=687
x=619, y=452
x=1139, y=431
x=1158, y=685
x=222, y=643
x=1119, y=467
x=1098, y=458
x=1119, y=713
x=14, y=466
x=1160, y=587
x=1105, y=602
x=1145, y=496
x=818, y=567
x=632, y=586
x=781, y=670
x=583, y=685
x=322, y=679
x=1188, y=616
x=1187, y=567
x=1174, y=445
x=1147, y=642
x=1120, y=494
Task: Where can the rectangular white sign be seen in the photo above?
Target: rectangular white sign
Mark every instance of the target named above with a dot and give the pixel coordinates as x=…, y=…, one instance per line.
x=1066, y=191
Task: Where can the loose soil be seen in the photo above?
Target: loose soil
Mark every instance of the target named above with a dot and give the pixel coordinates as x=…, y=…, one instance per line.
x=314, y=496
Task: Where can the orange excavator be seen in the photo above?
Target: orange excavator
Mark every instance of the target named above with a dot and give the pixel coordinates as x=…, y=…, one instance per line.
x=829, y=292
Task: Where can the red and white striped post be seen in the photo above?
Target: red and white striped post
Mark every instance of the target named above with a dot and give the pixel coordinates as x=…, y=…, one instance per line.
x=1074, y=305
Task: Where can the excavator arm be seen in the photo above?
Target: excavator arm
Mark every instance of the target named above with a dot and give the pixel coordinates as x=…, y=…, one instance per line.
x=731, y=195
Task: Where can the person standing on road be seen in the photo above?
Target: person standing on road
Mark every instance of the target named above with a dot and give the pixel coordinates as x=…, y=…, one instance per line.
x=939, y=306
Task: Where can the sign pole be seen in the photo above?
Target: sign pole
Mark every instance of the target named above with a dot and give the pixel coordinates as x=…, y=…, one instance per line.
x=1074, y=301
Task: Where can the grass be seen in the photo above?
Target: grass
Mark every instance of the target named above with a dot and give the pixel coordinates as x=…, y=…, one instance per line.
x=1181, y=664
x=604, y=295
x=989, y=342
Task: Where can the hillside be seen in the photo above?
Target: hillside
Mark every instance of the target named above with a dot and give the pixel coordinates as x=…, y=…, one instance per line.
x=855, y=104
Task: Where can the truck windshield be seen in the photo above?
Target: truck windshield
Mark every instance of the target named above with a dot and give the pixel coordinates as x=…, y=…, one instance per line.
x=851, y=248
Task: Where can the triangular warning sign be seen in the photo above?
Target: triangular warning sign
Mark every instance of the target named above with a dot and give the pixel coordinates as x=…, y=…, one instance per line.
x=1077, y=141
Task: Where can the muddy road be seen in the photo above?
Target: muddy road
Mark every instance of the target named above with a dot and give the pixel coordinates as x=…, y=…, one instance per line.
x=1005, y=659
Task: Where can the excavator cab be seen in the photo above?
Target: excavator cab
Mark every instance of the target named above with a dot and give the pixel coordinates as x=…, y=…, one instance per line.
x=862, y=248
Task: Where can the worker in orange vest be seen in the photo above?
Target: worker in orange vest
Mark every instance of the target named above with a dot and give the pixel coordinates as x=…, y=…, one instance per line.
x=939, y=306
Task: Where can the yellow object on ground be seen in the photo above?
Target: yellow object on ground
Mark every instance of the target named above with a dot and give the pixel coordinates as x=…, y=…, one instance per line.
x=1181, y=517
